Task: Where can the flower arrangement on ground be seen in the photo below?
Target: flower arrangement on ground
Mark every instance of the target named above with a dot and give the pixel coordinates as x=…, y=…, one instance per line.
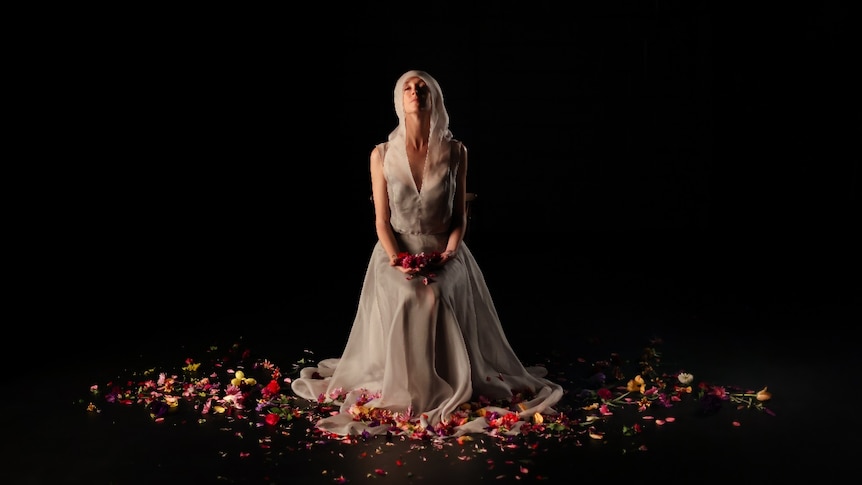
x=237, y=386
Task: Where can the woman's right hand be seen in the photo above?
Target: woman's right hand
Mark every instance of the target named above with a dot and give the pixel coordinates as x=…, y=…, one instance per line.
x=407, y=271
x=395, y=262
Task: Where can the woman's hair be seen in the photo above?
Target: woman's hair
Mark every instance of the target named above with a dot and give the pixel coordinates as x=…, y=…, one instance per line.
x=439, y=115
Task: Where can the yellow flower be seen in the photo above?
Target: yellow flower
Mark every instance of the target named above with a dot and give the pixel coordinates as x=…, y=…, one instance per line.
x=359, y=411
x=463, y=439
x=764, y=395
x=240, y=379
x=636, y=384
x=538, y=419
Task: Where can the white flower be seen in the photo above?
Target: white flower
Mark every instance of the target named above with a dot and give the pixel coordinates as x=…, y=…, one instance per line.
x=685, y=378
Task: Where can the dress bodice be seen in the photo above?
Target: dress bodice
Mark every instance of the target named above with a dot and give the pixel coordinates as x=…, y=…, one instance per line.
x=427, y=210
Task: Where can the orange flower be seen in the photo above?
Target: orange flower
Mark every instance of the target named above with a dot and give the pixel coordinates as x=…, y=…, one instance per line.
x=636, y=384
x=763, y=395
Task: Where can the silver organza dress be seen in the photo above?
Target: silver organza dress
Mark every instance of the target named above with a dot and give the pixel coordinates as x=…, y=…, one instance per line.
x=423, y=350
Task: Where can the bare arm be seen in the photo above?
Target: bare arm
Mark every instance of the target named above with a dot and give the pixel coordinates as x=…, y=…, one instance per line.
x=380, y=196
x=459, y=210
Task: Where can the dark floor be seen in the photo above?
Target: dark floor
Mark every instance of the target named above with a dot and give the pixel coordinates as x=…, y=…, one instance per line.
x=726, y=321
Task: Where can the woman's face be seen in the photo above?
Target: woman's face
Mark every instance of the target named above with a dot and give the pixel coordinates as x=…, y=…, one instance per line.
x=417, y=96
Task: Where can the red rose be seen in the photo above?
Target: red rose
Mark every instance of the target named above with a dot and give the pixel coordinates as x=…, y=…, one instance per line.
x=272, y=419
x=272, y=388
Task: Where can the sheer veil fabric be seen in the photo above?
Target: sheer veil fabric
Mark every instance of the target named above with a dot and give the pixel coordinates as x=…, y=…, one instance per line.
x=421, y=351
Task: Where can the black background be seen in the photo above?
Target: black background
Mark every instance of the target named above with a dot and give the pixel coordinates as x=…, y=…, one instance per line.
x=183, y=177
x=207, y=163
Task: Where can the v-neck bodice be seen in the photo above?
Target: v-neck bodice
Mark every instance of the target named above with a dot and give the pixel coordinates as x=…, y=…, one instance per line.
x=417, y=165
x=426, y=207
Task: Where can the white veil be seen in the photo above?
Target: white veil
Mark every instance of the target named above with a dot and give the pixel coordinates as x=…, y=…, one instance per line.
x=440, y=133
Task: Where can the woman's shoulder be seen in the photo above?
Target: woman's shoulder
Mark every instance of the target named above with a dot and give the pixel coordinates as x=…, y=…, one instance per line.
x=457, y=146
x=380, y=148
x=378, y=153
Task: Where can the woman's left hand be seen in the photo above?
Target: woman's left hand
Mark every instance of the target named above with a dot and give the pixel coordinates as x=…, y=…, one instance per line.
x=446, y=256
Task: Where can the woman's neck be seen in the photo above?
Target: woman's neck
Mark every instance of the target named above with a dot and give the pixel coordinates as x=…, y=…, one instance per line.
x=416, y=132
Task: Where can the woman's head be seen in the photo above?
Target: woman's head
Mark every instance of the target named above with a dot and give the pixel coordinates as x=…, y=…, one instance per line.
x=425, y=85
x=416, y=96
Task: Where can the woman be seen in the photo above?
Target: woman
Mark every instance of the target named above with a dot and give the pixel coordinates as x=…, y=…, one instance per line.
x=422, y=345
